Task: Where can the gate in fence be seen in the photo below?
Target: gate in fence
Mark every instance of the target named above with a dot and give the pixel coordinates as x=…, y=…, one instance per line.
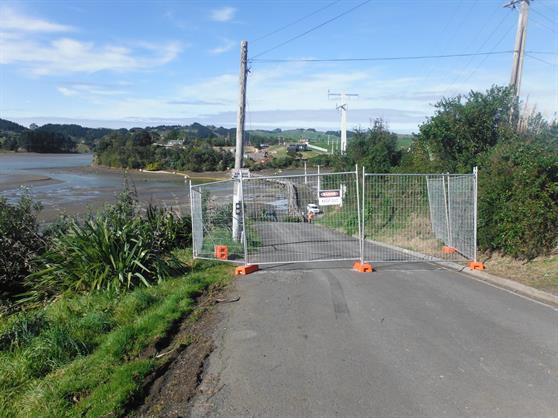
x=336, y=216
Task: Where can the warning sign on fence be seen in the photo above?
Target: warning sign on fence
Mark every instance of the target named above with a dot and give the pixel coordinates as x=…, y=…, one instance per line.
x=330, y=197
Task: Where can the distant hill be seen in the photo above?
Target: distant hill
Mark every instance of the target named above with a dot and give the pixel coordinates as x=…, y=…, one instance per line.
x=76, y=132
x=216, y=135
x=14, y=137
x=195, y=130
x=9, y=126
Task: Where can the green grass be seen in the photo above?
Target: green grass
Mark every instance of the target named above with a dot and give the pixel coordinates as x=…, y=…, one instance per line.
x=81, y=355
x=344, y=219
x=291, y=134
x=223, y=236
x=404, y=141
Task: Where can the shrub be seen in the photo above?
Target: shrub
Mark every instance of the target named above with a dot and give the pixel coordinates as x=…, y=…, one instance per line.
x=20, y=242
x=518, y=199
x=117, y=249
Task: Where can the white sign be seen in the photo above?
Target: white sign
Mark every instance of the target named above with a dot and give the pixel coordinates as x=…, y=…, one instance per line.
x=330, y=197
x=244, y=172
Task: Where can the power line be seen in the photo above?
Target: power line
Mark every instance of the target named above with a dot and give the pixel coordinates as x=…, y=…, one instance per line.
x=273, y=32
x=541, y=60
x=481, y=62
x=543, y=24
x=399, y=58
x=471, y=59
x=449, y=39
x=312, y=29
x=543, y=16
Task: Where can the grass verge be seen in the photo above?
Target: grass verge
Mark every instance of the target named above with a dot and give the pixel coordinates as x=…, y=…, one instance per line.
x=540, y=273
x=85, y=355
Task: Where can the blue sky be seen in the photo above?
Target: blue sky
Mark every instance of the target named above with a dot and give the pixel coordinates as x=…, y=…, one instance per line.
x=138, y=63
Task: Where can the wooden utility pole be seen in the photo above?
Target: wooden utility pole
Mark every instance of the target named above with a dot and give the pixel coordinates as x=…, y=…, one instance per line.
x=241, y=116
x=520, y=39
x=239, y=154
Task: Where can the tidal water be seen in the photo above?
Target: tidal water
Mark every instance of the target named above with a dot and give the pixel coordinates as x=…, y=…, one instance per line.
x=67, y=183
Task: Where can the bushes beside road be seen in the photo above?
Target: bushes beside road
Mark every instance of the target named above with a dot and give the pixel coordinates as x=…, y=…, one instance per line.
x=518, y=202
x=120, y=247
x=517, y=156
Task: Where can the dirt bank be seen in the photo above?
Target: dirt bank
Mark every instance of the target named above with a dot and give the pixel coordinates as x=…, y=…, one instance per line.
x=170, y=389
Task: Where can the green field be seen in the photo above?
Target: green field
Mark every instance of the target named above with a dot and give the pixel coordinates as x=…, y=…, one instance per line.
x=318, y=138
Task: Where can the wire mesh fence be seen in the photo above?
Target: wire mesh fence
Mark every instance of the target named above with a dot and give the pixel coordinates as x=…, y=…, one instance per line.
x=461, y=201
x=408, y=217
x=300, y=218
x=213, y=216
x=336, y=216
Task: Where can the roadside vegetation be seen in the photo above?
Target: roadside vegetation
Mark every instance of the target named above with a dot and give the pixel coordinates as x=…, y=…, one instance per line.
x=86, y=303
x=517, y=155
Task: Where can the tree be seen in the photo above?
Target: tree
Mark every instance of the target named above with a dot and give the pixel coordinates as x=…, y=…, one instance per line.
x=463, y=128
x=42, y=141
x=375, y=149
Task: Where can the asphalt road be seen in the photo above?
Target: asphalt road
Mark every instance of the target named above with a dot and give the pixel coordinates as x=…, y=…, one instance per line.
x=282, y=242
x=410, y=339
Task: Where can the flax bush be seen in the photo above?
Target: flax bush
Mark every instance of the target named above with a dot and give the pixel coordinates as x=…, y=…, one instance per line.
x=117, y=249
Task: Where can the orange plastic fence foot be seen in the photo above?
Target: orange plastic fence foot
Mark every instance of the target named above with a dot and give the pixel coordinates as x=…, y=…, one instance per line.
x=244, y=270
x=222, y=252
x=362, y=267
x=448, y=250
x=476, y=265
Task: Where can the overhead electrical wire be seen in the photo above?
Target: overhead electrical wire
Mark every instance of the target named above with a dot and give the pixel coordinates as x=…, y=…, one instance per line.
x=543, y=16
x=481, y=46
x=541, y=60
x=543, y=24
x=273, y=32
x=481, y=62
x=449, y=39
x=398, y=58
x=312, y=29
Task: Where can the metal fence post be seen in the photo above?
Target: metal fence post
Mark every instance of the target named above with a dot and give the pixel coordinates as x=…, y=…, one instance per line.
x=362, y=211
x=358, y=215
x=450, y=222
x=475, y=193
x=445, y=184
x=192, y=218
x=243, y=222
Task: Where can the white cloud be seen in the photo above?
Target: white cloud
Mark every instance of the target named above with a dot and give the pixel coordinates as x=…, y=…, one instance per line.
x=89, y=89
x=66, y=55
x=12, y=20
x=225, y=47
x=223, y=14
x=21, y=43
x=66, y=91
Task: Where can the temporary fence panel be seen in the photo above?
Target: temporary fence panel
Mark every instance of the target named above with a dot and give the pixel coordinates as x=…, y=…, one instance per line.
x=197, y=221
x=301, y=218
x=334, y=216
x=213, y=214
x=410, y=217
x=436, y=187
x=462, y=214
